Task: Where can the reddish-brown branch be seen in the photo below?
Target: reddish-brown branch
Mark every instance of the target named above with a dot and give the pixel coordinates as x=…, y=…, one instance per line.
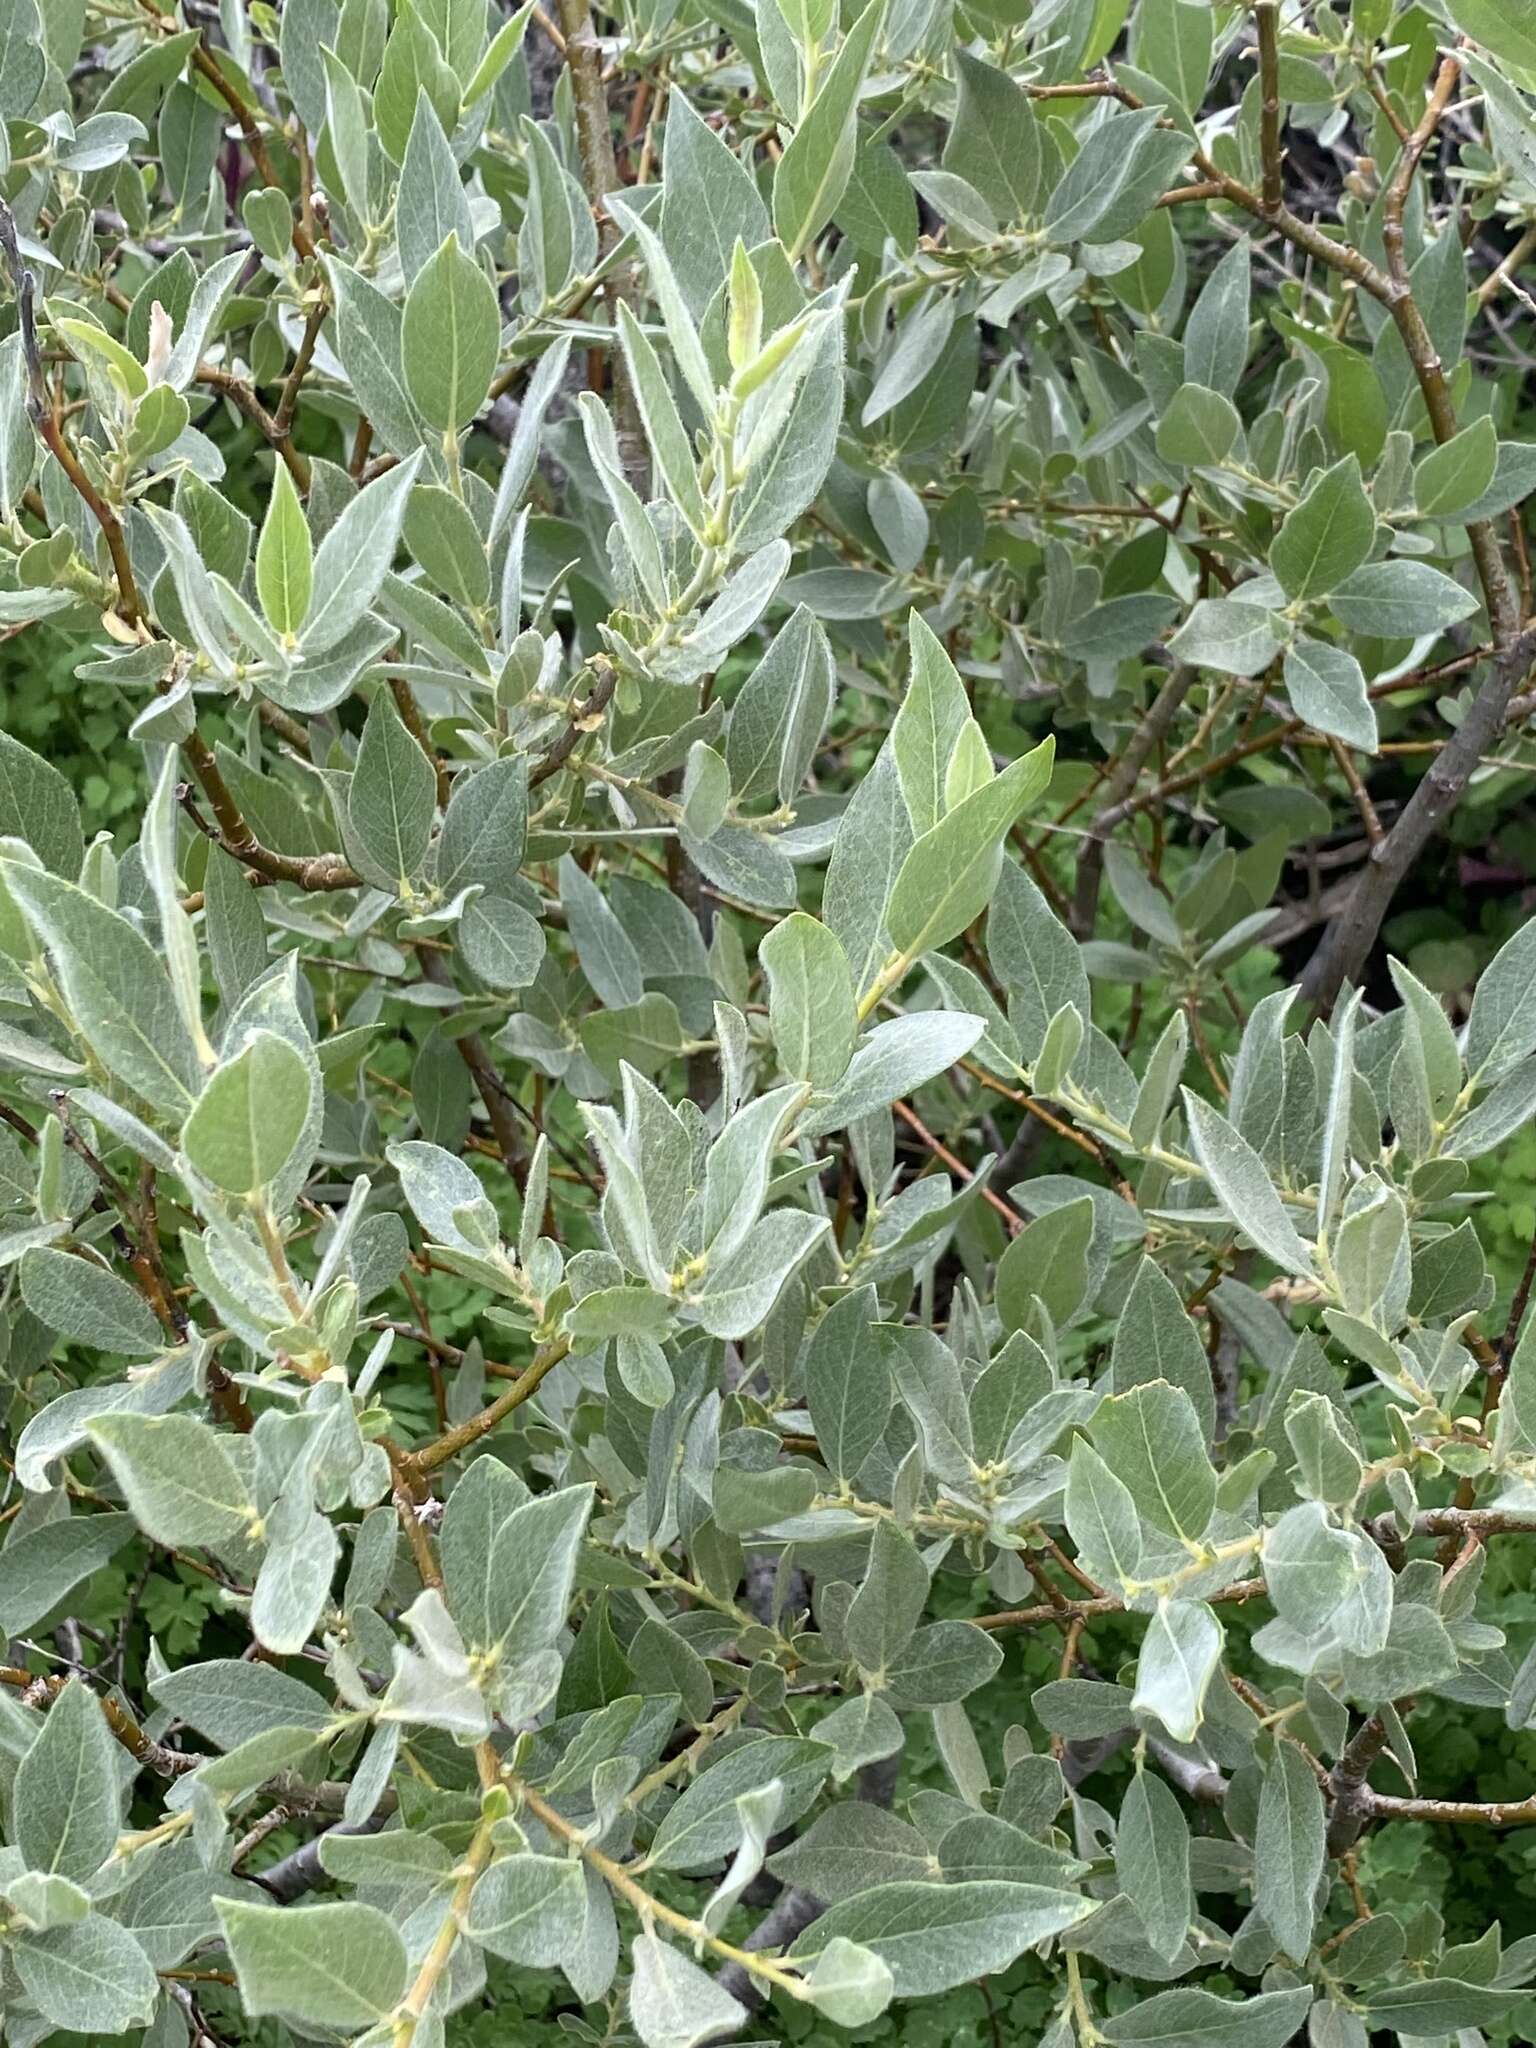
x=208, y=67
x=914, y=1123
x=287, y=404
x=317, y=871
x=52, y=435
x=1357, y=789
x=1034, y=1107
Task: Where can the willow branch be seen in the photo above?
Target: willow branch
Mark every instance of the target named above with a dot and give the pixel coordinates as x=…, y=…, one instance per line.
x=586, y=718
x=1301, y=234
x=1108, y=1603
x=600, y=178
x=483, y=1071
x=1350, y=935
x=1266, y=19
x=1452, y=1812
x=1013, y=1222
x=459, y=1439
x=43, y=1691
x=1348, y=1793
x=208, y=67
x=1497, y=278
x=1383, y=1529
x=652, y=1909
x=1149, y=733
x=244, y=399
x=314, y=871
x=477, y=1857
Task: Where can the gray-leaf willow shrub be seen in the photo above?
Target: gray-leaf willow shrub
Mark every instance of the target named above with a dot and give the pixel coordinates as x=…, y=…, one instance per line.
x=729, y=620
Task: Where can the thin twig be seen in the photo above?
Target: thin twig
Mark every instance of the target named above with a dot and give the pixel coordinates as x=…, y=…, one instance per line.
x=600, y=178
x=500, y=1105
x=1357, y=789
x=585, y=718
x=914, y=1123
x=1151, y=731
